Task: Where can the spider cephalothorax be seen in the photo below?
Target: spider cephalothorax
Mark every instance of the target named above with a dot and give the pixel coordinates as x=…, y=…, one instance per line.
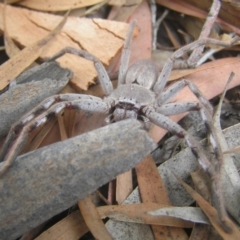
x=129, y=100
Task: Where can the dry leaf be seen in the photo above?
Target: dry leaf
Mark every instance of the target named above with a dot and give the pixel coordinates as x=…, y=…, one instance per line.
x=184, y=163
x=211, y=68
x=122, y=13
x=55, y=5
x=152, y=190
x=194, y=8
x=234, y=150
x=12, y=68
x=201, y=231
x=102, y=38
x=71, y=227
x=200, y=184
x=138, y=213
x=10, y=47
x=192, y=214
x=92, y=219
x=124, y=186
x=212, y=215
x=210, y=79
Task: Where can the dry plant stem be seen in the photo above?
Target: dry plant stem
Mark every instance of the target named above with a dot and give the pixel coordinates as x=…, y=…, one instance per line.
x=147, y=173
x=93, y=219
x=214, y=169
x=33, y=233
x=227, y=169
x=103, y=198
x=215, y=175
x=94, y=8
x=62, y=128
x=124, y=186
x=200, y=231
x=207, y=55
x=211, y=213
x=156, y=27
x=211, y=18
x=216, y=140
x=111, y=192
x=221, y=142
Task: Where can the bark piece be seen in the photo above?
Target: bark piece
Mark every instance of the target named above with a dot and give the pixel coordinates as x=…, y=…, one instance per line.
x=29, y=89
x=102, y=38
x=42, y=183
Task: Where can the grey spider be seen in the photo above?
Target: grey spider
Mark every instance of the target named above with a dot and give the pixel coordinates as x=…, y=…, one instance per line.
x=140, y=94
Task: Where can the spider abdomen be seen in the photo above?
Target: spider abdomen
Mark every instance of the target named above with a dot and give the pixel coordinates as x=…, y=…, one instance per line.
x=143, y=72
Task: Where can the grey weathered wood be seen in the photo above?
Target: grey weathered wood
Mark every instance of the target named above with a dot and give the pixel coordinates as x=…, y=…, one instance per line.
x=49, y=180
x=181, y=164
x=29, y=89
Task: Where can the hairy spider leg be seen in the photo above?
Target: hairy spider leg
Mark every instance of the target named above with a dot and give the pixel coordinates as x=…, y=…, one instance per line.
x=104, y=79
x=42, y=107
x=167, y=68
x=205, y=32
x=126, y=55
x=93, y=104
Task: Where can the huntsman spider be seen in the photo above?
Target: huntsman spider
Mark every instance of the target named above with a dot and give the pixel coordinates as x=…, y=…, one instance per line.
x=139, y=94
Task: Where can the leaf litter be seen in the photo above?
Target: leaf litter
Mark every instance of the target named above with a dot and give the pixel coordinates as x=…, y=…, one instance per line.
x=210, y=78
x=74, y=31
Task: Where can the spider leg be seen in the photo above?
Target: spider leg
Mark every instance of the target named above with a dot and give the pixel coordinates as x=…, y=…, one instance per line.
x=170, y=92
x=168, y=124
x=167, y=68
x=43, y=106
x=211, y=18
x=203, y=106
x=216, y=118
x=12, y=149
x=214, y=167
x=177, y=108
x=225, y=167
x=125, y=55
x=226, y=173
x=101, y=71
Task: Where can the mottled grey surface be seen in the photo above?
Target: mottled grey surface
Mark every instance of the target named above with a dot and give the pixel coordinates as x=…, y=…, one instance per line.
x=42, y=183
x=181, y=165
x=28, y=90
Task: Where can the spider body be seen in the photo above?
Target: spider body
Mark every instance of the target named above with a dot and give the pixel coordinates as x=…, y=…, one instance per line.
x=143, y=73
x=129, y=100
